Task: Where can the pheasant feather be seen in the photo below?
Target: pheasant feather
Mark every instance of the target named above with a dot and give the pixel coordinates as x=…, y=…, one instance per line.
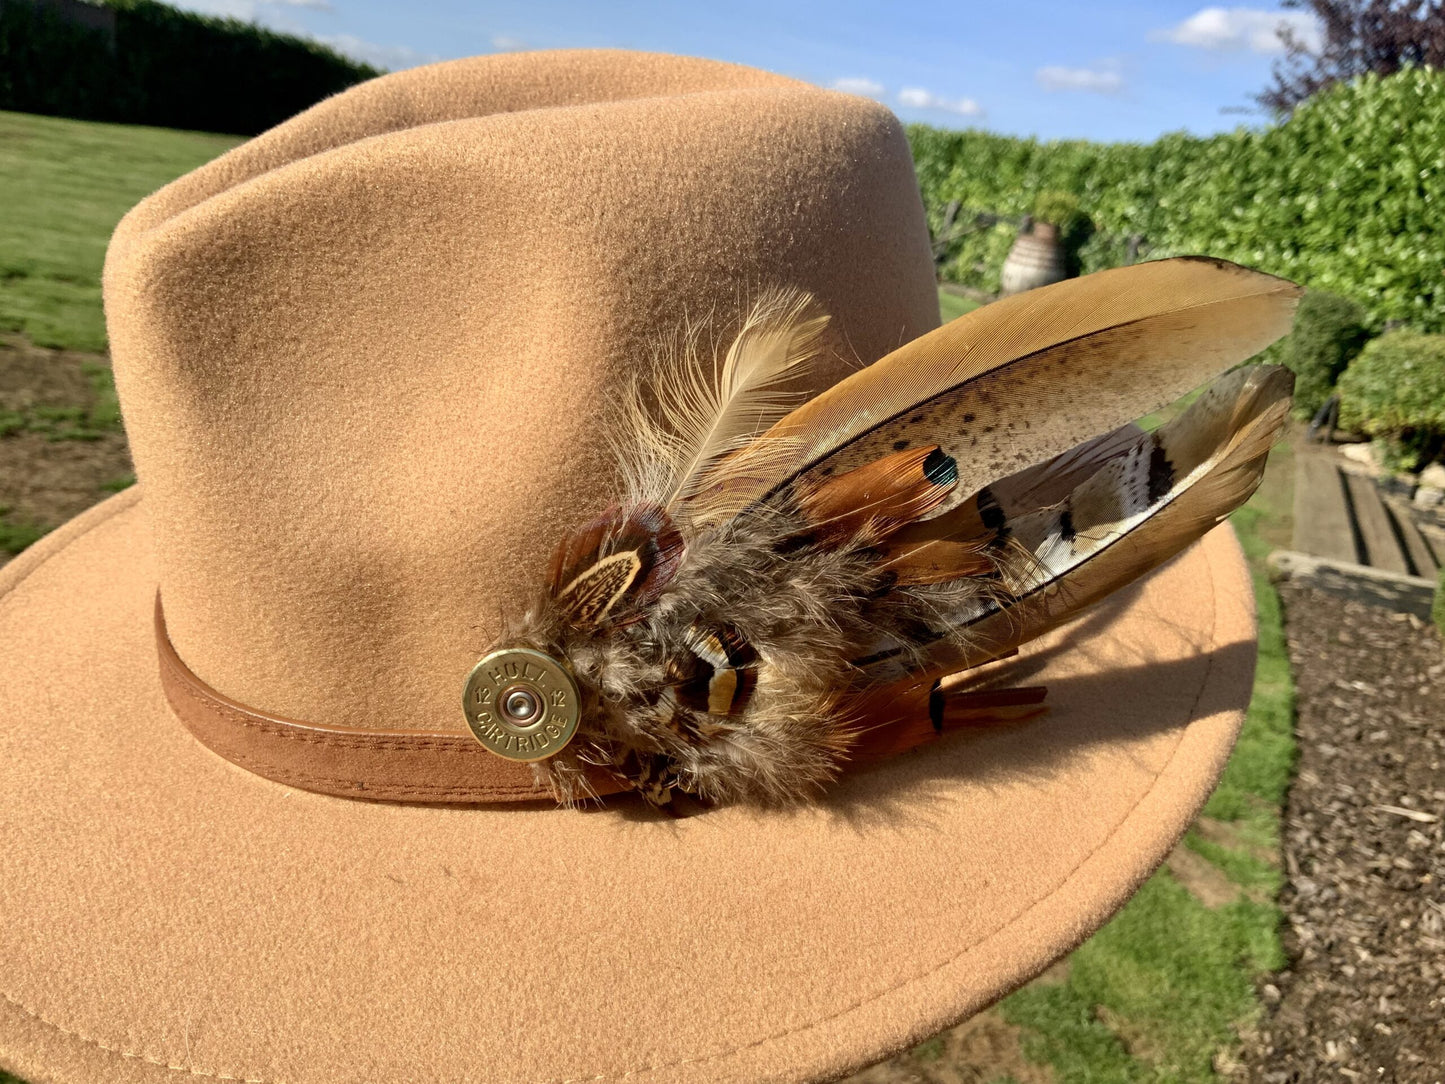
x=781, y=593
x=1030, y=376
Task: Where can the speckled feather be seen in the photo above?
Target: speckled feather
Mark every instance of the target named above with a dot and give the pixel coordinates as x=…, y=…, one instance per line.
x=1031, y=376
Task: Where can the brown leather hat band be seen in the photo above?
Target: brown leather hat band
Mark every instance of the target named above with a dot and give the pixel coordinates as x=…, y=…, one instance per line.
x=452, y=767
x=396, y=765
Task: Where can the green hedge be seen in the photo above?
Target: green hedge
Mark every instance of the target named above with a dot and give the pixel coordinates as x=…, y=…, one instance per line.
x=1395, y=390
x=1347, y=195
x=163, y=67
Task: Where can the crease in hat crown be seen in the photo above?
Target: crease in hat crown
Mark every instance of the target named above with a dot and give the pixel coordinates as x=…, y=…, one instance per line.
x=362, y=359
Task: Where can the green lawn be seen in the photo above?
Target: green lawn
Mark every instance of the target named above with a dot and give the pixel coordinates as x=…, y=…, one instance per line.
x=951, y=306
x=64, y=185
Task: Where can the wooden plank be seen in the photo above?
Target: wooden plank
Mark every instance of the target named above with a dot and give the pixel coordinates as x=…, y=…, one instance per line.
x=1421, y=556
x=1321, y=517
x=1435, y=539
x=1382, y=548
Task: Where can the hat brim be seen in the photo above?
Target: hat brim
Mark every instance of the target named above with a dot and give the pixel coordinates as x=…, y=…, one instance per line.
x=166, y=910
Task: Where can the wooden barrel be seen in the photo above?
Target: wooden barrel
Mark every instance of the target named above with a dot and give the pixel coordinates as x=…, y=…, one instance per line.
x=1036, y=259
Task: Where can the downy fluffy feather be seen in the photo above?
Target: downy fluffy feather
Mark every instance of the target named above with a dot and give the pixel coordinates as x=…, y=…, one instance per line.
x=683, y=424
x=777, y=595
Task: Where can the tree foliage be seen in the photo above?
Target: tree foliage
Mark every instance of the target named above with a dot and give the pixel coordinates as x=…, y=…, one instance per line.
x=1059, y=208
x=161, y=66
x=1357, y=36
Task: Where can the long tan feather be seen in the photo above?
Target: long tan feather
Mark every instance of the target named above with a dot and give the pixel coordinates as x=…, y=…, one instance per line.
x=1051, y=481
x=1031, y=376
x=981, y=520
x=912, y=712
x=935, y=560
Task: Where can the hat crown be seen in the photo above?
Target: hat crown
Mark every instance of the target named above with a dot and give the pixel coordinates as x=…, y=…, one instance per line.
x=366, y=359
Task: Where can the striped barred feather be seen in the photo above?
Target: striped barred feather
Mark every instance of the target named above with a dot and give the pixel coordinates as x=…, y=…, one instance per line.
x=1140, y=508
x=782, y=593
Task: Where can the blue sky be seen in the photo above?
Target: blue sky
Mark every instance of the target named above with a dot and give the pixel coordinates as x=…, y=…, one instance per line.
x=1094, y=69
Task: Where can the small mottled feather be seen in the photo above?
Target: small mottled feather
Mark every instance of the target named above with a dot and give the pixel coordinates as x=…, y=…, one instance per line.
x=617, y=563
x=870, y=501
x=594, y=592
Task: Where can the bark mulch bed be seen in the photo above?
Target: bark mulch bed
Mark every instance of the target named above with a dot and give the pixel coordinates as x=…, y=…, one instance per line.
x=1364, y=850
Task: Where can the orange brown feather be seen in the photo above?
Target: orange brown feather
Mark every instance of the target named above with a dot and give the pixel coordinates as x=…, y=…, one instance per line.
x=877, y=498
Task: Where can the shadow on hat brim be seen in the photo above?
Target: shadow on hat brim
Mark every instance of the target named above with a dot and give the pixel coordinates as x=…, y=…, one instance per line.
x=167, y=911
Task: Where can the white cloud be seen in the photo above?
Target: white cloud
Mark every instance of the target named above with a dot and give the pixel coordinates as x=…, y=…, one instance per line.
x=507, y=43
x=1236, y=29
x=860, y=85
x=1097, y=80
x=388, y=57
x=919, y=98
x=915, y=97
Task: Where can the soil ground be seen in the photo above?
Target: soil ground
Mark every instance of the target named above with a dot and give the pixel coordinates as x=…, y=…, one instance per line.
x=61, y=446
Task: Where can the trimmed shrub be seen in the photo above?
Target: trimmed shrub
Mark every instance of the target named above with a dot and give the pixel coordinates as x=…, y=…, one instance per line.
x=53, y=64
x=1329, y=330
x=1395, y=390
x=1347, y=195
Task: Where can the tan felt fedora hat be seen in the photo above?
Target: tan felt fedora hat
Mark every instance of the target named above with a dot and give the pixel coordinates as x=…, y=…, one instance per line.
x=362, y=361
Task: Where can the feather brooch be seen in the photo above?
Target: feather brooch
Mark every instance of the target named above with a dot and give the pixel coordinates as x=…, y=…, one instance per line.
x=782, y=592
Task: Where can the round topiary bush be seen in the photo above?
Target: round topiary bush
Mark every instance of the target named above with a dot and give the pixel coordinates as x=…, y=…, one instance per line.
x=1329, y=330
x=1395, y=390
